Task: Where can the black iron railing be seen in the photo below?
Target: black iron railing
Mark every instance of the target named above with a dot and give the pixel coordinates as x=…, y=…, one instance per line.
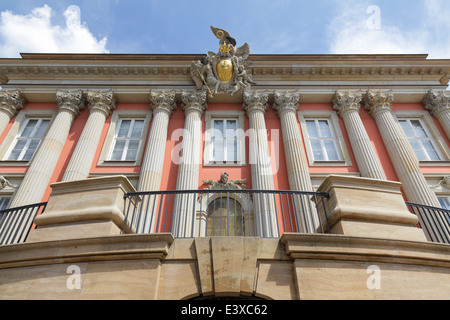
x=16, y=223
x=435, y=222
x=199, y=213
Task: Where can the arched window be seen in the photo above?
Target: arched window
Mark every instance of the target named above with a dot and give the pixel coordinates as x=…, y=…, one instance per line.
x=225, y=217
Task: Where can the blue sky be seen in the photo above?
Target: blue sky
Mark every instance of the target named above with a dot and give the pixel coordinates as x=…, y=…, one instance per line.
x=182, y=26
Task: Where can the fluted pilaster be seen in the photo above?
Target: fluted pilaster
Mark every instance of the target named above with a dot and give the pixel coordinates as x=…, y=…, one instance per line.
x=194, y=105
x=162, y=104
x=11, y=102
x=438, y=103
x=101, y=105
x=255, y=104
x=38, y=176
x=286, y=104
x=348, y=103
x=405, y=163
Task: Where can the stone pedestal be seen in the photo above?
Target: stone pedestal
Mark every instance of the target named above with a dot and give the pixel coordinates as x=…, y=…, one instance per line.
x=369, y=208
x=83, y=209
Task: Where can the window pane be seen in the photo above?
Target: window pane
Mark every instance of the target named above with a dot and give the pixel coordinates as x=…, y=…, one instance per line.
x=231, y=150
x=317, y=150
x=124, y=128
x=29, y=128
x=405, y=126
x=218, y=152
x=31, y=149
x=415, y=145
x=418, y=129
x=429, y=149
x=41, y=129
x=311, y=127
x=331, y=151
x=445, y=203
x=325, y=129
x=137, y=129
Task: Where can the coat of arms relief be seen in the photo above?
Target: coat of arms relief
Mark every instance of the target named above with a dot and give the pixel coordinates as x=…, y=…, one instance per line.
x=227, y=71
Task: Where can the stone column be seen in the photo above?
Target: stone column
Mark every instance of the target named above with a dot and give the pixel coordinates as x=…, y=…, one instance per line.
x=438, y=103
x=286, y=104
x=347, y=104
x=194, y=105
x=38, y=176
x=11, y=102
x=255, y=104
x=405, y=163
x=100, y=106
x=162, y=104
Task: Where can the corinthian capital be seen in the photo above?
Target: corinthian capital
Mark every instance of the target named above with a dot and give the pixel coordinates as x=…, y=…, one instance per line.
x=194, y=101
x=255, y=100
x=437, y=101
x=103, y=101
x=286, y=100
x=377, y=100
x=11, y=102
x=72, y=101
x=163, y=100
x=347, y=100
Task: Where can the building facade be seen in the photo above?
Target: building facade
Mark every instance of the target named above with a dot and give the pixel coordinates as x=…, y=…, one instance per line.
x=372, y=130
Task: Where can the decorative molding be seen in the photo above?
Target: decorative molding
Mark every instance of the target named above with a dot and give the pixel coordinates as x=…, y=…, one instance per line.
x=194, y=101
x=286, y=100
x=376, y=100
x=255, y=100
x=346, y=100
x=104, y=101
x=11, y=102
x=163, y=100
x=437, y=101
x=72, y=101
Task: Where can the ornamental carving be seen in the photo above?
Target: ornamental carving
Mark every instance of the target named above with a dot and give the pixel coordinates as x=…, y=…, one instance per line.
x=346, y=100
x=101, y=100
x=376, y=100
x=437, y=101
x=70, y=100
x=227, y=71
x=286, y=100
x=224, y=184
x=163, y=100
x=11, y=101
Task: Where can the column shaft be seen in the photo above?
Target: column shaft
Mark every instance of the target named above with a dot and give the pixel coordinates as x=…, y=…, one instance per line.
x=347, y=104
x=194, y=105
x=405, y=162
x=100, y=105
x=255, y=104
x=39, y=173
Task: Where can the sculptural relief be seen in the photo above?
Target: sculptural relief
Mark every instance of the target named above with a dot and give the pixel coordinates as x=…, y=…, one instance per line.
x=226, y=71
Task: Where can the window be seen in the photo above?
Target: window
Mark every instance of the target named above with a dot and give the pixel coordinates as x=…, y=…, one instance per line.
x=30, y=135
x=225, y=218
x=4, y=202
x=323, y=143
x=224, y=141
x=224, y=138
x=420, y=139
x=445, y=202
x=127, y=140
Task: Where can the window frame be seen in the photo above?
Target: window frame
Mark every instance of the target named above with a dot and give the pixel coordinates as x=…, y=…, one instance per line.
x=239, y=117
x=127, y=140
x=109, y=142
x=339, y=141
x=432, y=132
x=16, y=129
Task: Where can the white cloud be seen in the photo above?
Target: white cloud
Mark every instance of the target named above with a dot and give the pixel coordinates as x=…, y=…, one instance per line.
x=350, y=32
x=34, y=32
